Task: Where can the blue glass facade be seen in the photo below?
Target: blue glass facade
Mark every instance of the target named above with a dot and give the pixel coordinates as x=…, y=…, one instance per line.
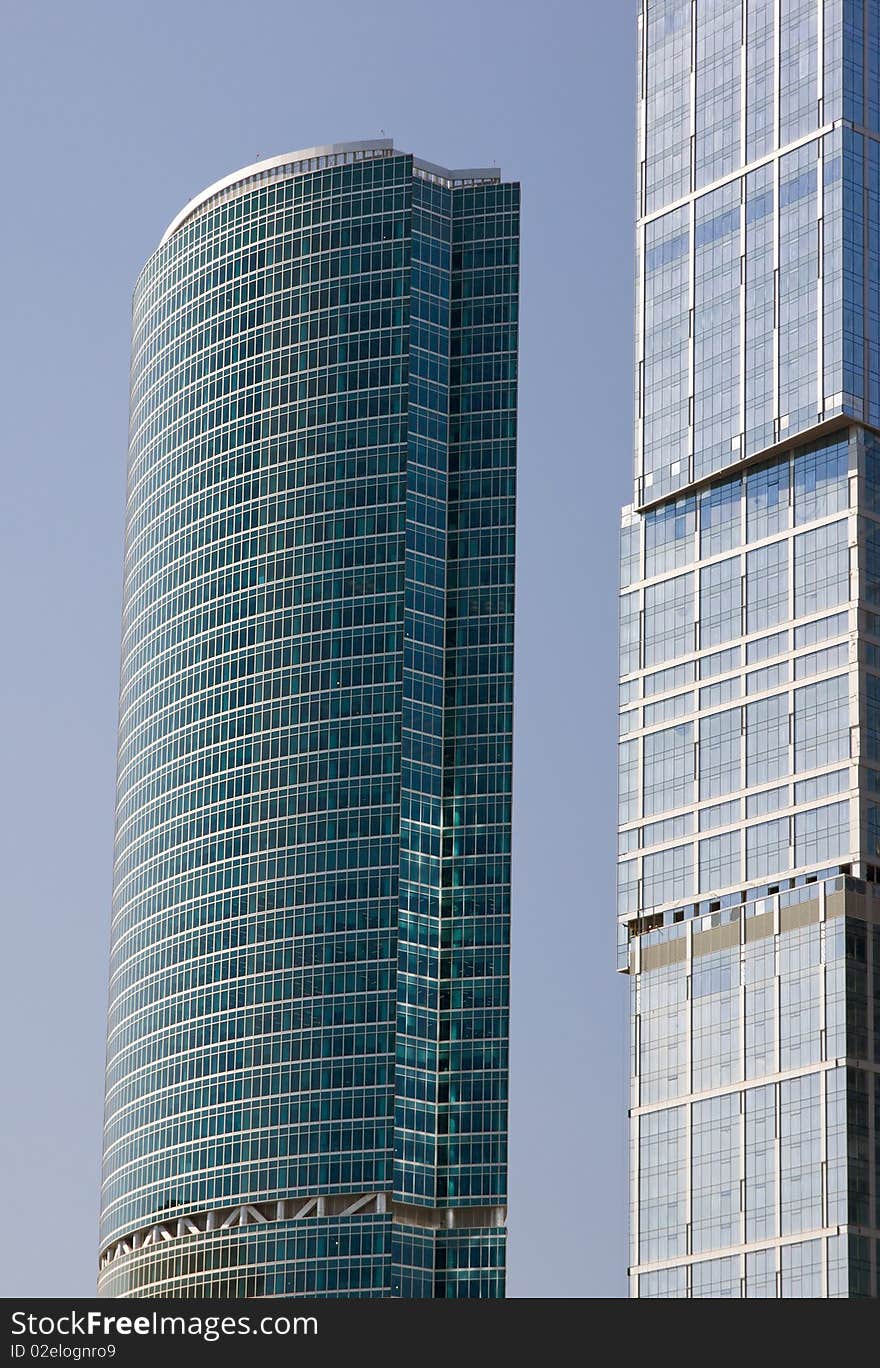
x=758, y=200
x=307, y=1040
x=748, y=878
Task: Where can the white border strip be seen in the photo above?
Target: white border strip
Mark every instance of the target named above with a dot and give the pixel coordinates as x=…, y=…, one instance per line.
x=316, y=159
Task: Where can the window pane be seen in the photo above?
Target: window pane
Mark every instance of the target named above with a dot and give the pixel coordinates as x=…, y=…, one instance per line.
x=766, y=848
x=821, y=569
x=720, y=602
x=669, y=769
x=821, y=724
x=820, y=482
x=721, y=753
x=767, y=739
x=767, y=502
x=766, y=586
x=669, y=619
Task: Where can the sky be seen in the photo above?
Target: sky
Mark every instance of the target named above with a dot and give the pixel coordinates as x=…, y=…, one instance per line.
x=112, y=115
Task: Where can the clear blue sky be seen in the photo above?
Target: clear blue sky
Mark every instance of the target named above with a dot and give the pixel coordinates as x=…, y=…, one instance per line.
x=113, y=115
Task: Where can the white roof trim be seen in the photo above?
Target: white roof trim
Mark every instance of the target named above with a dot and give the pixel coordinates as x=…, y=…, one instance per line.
x=299, y=163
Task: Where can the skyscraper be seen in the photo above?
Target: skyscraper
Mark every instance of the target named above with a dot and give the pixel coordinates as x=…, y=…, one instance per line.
x=749, y=902
x=307, y=1039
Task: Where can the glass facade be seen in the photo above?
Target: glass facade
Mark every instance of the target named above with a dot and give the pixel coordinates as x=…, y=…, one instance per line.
x=748, y=883
x=307, y=1038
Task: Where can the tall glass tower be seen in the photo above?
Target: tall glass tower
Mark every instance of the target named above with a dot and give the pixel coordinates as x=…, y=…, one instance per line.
x=749, y=844
x=308, y=1021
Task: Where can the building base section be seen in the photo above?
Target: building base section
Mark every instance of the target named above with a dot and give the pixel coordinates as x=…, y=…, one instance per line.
x=755, y=1124
x=338, y=1246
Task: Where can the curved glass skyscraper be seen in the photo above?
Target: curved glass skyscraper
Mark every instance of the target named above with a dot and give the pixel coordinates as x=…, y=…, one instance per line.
x=307, y=1039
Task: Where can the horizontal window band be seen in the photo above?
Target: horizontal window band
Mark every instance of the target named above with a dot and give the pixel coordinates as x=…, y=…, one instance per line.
x=299, y=1208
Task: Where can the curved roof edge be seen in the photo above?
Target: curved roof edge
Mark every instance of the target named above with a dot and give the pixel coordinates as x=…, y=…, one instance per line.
x=316, y=159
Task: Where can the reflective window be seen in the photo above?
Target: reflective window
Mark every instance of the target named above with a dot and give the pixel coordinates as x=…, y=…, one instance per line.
x=668, y=876
x=669, y=619
x=821, y=834
x=767, y=739
x=821, y=569
x=802, y=1269
x=661, y=1185
x=715, y=1173
x=715, y=1019
x=662, y=1022
x=798, y=263
x=720, y=516
x=767, y=586
x=720, y=861
x=767, y=848
x=716, y=326
x=720, y=753
x=720, y=602
x=627, y=781
x=820, y=481
x=669, y=537
x=669, y=769
x=760, y=1158
x=767, y=501
x=800, y=1166
x=715, y=1278
x=821, y=724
